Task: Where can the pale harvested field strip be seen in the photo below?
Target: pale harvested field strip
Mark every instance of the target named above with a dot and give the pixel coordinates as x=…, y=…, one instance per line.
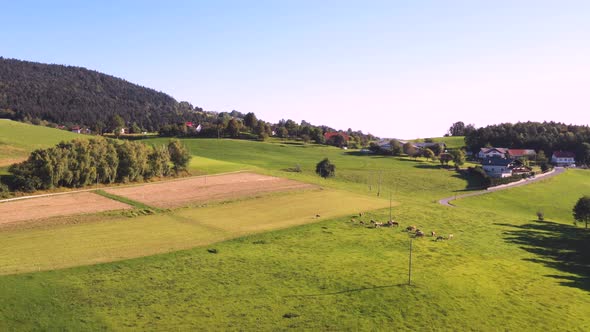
x=206, y=188
x=60, y=205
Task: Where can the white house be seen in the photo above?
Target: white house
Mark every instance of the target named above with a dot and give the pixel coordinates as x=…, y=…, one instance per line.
x=497, y=167
x=492, y=152
x=563, y=159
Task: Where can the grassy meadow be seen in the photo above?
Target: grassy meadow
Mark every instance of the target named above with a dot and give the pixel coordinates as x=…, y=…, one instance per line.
x=18, y=140
x=276, y=267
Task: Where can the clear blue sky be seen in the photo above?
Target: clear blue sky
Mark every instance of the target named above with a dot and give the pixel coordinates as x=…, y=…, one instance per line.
x=393, y=68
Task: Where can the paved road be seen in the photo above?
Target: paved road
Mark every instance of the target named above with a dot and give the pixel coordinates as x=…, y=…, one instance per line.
x=447, y=201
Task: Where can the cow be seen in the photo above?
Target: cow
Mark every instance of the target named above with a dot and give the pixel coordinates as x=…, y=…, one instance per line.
x=419, y=233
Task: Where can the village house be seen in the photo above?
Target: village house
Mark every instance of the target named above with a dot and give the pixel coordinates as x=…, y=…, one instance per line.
x=522, y=154
x=563, y=159
x=497, y=167
x=492, y=152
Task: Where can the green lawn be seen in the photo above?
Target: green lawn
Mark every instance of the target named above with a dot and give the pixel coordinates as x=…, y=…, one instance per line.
x=502, y=271
x=18, y=140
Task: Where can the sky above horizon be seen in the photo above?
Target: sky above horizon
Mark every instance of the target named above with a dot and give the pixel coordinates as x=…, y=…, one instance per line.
x=404, y=69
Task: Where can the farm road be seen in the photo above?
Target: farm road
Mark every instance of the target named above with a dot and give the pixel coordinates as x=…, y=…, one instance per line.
x=447, y=201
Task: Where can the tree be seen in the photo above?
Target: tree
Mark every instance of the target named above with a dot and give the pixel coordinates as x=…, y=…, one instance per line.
x=395, y=148
x=325, y=168
x=234, y=127
x=409, y=149
x=250, y=120
x=541, y=158
x=458, y=158
x=337, y=140
x=179, y=155
x=583, y=154
x=282, y=132
x=457, y=129
x=582, y=210
x=428, y=154
x=445, y=158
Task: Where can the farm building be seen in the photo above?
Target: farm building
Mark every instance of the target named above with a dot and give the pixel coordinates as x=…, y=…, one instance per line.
x=497, y=167
x=521, y=153
x=492, y=152
x=564, y=159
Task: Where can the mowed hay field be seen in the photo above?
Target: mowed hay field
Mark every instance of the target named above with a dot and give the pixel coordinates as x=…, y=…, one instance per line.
x=58, y=205
x=206, y=189
x=502, y=270
x=18, y=139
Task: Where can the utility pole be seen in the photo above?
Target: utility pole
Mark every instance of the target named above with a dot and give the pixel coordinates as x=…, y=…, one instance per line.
x=390, y=206
x=410, y=267
x=379, y=185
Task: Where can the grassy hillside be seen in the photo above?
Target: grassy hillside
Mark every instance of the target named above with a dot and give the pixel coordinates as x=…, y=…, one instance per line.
x=498, y=271
x=452, y=142
x=405, y=178
x=18, y=139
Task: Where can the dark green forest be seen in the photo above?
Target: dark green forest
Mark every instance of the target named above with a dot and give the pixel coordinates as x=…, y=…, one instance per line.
x=68, y=95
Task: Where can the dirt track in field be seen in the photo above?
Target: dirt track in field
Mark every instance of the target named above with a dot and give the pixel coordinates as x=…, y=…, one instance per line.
x=59, y=205
x=206, y=188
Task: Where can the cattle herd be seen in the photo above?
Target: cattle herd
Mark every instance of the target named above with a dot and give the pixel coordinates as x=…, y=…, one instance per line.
x=417, y=233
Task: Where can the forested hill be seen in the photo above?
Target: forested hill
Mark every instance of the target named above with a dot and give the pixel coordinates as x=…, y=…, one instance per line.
x=77, y=96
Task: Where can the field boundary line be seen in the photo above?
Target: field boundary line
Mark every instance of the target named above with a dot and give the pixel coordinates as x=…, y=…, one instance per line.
x=123, y=186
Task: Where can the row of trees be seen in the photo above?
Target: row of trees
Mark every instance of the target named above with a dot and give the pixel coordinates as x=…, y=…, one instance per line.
x=84, y=162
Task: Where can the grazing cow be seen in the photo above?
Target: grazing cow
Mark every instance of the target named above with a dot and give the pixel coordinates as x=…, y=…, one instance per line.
x=360, y=214
x=362, y=222
x=419, y=233
x=440, y=238
x=433, y=233
x=376, y=223
x=450, y=236
x=317, y=215
x=392, y=223
x=411, y=228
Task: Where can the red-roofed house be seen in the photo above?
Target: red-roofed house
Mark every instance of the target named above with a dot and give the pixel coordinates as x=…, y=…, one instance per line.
x=521, y=153
x=564, y=159
x=331, y=134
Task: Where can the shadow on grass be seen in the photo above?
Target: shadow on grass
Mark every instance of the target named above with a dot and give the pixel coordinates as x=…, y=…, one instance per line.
x=473, y=182
x=558, y=246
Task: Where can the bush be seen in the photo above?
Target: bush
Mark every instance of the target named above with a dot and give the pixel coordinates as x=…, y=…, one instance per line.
x=325, y=168
x=4, y=191
x=540, y=215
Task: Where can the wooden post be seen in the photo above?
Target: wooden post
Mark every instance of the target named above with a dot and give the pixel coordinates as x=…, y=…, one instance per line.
x=410, y=267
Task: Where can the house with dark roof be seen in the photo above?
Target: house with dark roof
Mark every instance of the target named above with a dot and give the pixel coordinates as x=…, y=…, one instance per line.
x=497, y=167
x=521, y=153
x=492, y=152
x=563, y=159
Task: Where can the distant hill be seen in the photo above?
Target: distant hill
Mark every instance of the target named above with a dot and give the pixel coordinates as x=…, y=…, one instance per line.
x=77, y=96
x=18, y=140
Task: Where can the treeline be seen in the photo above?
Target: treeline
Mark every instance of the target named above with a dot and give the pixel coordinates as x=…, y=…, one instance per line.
x=235, y=124
x=545, y=136
x=66, y=95
x=81, y=163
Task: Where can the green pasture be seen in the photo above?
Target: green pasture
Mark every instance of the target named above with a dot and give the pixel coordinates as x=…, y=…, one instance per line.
x=405, y=178
x=96, y=240
x=276, y=267
x=18, y=139
x=452, y=142
x=501, y=271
